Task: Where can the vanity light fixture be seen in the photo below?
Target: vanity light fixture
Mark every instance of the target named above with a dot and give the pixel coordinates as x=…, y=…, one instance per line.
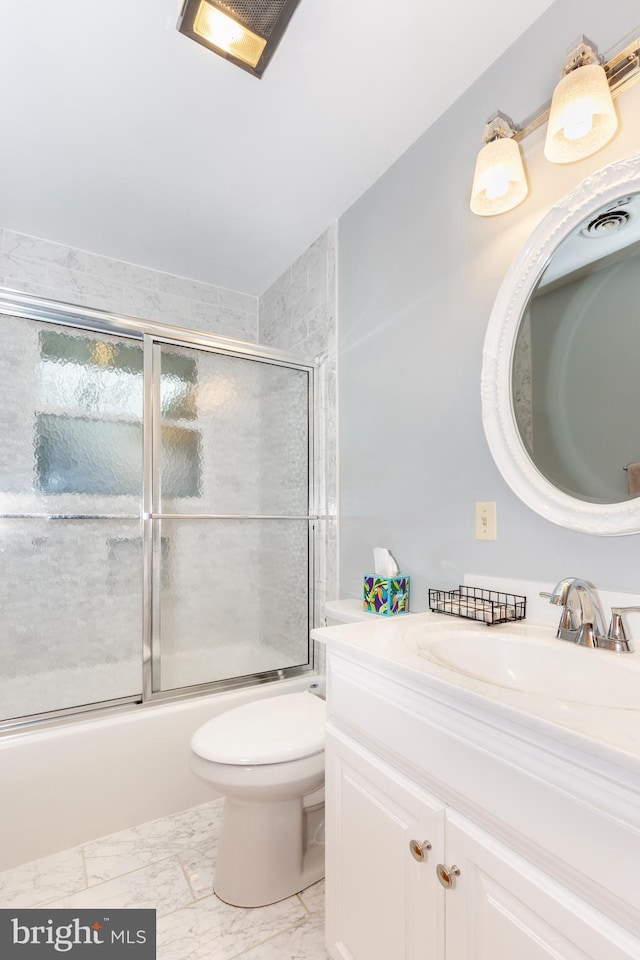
x=499, y=182
x=581, y=119
x=582, y=116
x=246, y=32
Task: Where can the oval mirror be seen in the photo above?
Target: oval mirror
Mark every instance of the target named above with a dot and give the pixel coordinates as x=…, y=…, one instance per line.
x=561, y=364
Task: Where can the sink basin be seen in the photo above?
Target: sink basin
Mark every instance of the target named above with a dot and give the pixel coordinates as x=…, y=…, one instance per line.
x=533, y=663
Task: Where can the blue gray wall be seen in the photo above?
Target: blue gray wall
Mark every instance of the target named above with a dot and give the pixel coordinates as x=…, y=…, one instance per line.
x=418, y=274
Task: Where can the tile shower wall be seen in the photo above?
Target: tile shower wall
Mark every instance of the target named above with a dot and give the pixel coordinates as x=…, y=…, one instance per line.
x=59, y=272
x=47, y=269
x=298, y=313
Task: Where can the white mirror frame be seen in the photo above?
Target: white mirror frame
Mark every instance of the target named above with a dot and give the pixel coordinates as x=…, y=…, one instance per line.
x=603, y=519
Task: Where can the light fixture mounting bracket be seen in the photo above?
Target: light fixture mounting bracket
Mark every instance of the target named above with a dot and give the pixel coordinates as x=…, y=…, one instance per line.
x=582, y=54
x=499, y=126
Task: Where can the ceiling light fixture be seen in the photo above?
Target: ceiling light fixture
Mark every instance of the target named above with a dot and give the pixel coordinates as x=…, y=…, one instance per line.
x=246, y=32
x=499, y=182
x=581, y=119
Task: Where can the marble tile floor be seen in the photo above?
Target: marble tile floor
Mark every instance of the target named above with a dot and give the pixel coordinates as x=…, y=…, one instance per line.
x=168, y=865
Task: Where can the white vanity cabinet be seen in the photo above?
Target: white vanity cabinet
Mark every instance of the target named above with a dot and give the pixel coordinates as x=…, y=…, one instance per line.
x=382, y=902
x=399, y=770
x=502, y=907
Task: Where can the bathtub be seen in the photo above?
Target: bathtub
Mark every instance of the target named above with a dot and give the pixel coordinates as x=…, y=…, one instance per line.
x=64, y=785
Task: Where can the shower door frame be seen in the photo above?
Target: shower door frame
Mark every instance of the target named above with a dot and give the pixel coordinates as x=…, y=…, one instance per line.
x=152, y=334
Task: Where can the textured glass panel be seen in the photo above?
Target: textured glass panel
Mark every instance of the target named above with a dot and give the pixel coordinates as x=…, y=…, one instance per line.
x=70, y=631
x=177, y=388
x=70, y=420
x=93, y=375
x=252, y=422
x=233, y=599
x=182, y=474
x=75, y=455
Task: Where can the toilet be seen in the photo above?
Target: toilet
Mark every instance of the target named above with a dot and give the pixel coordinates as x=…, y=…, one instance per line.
x=267, y=759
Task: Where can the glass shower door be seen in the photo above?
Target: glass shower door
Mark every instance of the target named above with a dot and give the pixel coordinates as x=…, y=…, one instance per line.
x=231, y=524
x=70, y=503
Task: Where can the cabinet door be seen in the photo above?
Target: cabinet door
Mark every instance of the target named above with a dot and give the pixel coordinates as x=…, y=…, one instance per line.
x=382, y=904
x=504, y=908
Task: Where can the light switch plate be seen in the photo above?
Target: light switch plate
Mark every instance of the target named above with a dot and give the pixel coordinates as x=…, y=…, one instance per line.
x=486, y=527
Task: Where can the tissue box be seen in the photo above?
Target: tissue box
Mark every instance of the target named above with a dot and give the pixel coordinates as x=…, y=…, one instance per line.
x=386, y=595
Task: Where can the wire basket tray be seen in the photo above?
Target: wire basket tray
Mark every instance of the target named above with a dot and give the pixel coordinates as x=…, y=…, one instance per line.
x=476, y=603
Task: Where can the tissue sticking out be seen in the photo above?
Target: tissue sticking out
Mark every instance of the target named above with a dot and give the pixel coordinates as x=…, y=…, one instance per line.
x=384, y=564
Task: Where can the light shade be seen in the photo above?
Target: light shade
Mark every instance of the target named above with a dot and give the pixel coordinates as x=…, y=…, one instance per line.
x=499, y=182
x=229, y=36
x=246, y=32
x=582, y=118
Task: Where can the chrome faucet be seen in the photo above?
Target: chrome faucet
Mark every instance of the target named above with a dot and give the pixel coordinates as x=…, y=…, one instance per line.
x=582, y=621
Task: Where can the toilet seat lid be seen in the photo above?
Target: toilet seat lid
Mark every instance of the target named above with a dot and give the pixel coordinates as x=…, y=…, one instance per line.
x=272, y=730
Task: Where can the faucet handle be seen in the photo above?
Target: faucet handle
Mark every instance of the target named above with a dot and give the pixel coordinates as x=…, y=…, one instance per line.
x=617, y=633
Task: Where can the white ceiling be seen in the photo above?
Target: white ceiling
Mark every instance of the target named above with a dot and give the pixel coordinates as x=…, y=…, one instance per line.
x=121, y=136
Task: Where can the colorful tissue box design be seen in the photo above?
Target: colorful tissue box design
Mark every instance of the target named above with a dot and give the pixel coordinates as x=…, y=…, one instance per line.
x=386, y=595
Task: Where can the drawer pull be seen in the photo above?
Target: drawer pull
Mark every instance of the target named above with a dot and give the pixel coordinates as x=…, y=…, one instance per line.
x=419, y=850
x=447, y=875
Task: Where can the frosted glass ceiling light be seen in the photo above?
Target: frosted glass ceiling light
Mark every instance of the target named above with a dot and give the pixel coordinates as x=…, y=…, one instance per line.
x=227, y=35
x=499, y=182
x=582, y=117
x=246, y=32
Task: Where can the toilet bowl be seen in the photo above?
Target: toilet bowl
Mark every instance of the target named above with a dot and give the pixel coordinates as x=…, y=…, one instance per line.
x=267, y=759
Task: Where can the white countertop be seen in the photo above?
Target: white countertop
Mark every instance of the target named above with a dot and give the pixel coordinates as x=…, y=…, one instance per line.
x=610, y=733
